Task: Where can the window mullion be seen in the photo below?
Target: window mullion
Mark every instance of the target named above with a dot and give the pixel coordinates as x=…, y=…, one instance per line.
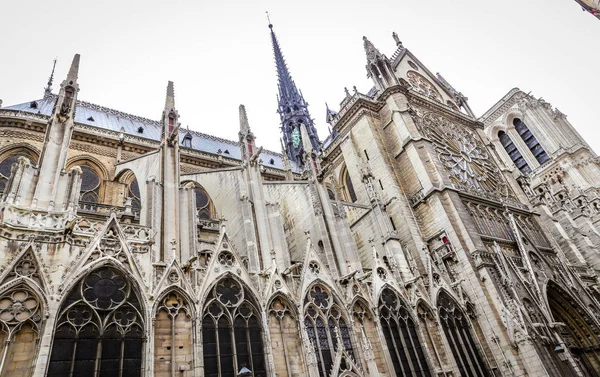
x=395, y=343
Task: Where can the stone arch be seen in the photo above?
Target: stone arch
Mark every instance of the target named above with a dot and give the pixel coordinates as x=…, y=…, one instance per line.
x=20, y=149
x=132, y=190
x=400, y=331
x=100, y=325
x=232, y=333
x=432, y=333
x=576, y=326
x=347, y=186
x=174, y=333
x=326, y=323
x=93, y=176
x=205, y=208
x=459, y=335
x=367, y=331
x=286, y=345
x=9, y=156
x=22, y=309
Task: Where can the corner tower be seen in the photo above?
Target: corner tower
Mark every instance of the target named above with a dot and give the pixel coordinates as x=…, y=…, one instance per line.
x=292, y=109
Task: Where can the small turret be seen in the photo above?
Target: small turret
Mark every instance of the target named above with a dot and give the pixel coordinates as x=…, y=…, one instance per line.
x=246, y=136
x=379, y=67
x=170, y=117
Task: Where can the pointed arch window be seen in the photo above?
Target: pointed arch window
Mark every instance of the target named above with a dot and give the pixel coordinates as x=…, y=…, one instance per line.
x=20, y=320
x=534, y=146
x=9, y=160
x=204, y=206
x=90, y=184
x=173, y=334
x=348, y=186
x=232, y=332
x=513, y=152
x=326, y=327
x=100, y=328
x=401, y=336
x=459, y=336
x=282, y=322
x=133, y=190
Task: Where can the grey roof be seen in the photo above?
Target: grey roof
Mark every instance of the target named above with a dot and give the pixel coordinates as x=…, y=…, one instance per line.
x=93, y=115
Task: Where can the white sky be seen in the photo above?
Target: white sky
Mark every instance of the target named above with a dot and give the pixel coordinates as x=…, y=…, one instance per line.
x=219, y=54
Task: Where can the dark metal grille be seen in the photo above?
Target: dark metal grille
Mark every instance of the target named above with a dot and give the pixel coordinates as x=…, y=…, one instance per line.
x=534, y=146
x=513, y=152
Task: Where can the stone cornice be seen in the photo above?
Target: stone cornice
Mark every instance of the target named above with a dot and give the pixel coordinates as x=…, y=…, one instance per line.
x=500, y=107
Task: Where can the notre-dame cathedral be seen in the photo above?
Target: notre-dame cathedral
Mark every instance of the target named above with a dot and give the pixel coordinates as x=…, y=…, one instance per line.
x=416, y=239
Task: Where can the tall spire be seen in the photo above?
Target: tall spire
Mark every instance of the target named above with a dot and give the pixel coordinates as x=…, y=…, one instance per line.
x=292, y=108
x=48, y=88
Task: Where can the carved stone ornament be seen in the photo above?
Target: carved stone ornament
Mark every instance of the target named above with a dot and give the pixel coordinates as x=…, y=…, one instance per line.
x=463, y=155
x=423, y=86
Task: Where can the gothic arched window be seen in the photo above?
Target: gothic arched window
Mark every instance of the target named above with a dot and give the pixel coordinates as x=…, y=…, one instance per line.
x=513, y=152
x=325, y=327
x=133, y=190
x=100, y=328
x=349, y=187
x=401, y=336
x=90, y=184
x=20, y=319
x=534, y=146
x=173, y=335
x=282, y=322
x=458, y=333
x=232, y=332
x=11, y=158
x=204, y=206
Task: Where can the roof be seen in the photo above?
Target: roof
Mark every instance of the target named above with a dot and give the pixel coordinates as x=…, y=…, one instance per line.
x=93, y=115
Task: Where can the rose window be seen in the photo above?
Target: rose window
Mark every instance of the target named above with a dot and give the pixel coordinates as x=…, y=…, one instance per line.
x=463, y=155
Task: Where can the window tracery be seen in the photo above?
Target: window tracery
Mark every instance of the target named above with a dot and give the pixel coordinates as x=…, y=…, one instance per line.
x=204, y=206
x=282, y=322
x=463, y=155
x=90, y=184
x=173, y=337
x=232, y=332
x=20, y=322
x=325, y=327
x=133, y=190
x=99, y=328
x=11, y=158
x=423, y=86
x=460, y=339
x=401, y=336
x=348, y=186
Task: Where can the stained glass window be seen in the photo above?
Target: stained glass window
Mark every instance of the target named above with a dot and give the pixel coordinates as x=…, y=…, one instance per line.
x=326, y=328
x=203, y=203
x=232, y=332
x=458, y=333
x=100, y=327
x=90, y=184
x=407, y=354
x=351, y=194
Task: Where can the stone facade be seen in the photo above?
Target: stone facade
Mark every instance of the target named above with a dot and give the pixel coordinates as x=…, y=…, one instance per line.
x=417, y=240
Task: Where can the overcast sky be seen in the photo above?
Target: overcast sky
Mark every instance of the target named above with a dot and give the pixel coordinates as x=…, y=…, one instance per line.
x=219, y=54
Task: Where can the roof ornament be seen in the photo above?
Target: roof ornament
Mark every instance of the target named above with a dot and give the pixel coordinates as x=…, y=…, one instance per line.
x=48, y=88
x=397, y=40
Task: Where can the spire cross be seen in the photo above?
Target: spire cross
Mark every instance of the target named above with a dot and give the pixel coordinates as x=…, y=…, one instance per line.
x=269, y=19
x=48, y=88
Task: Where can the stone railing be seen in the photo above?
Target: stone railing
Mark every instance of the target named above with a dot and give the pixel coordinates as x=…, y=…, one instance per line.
x=347, y=104
x=100, y=209
x=208, y=224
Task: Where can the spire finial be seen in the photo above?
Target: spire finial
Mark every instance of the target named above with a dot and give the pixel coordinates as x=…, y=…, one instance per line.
x=269, y=20
x=48, y=88
x=244, y=124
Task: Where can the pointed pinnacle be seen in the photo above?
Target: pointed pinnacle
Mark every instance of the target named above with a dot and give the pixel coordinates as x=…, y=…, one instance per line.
x=74, y=70
x=244, y=124
x=170, y=99
x=48, y=88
